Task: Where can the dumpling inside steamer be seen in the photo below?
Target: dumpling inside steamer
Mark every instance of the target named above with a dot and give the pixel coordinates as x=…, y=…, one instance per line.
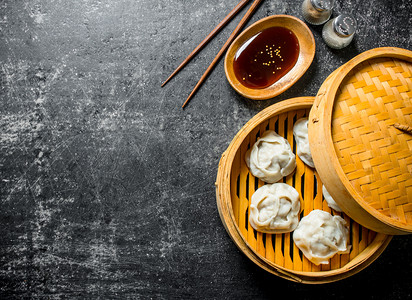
x=300, y=132
x=271, y=157
x=331, y=203
x=320, y=236
x=274, y=208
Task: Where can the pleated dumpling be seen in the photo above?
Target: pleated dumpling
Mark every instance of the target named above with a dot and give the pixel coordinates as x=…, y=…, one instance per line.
x=271, y=157
x=300, y=132
x=320, y=236
x=275, y=208
x=331, y=203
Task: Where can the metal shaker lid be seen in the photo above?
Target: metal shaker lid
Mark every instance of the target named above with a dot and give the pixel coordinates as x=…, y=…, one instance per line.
x=322, y=5
x=345, y=25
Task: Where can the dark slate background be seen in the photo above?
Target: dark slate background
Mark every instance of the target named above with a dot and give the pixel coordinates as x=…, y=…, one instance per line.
x=107, y=185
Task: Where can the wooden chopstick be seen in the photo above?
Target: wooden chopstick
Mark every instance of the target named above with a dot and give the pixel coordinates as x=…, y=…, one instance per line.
x=224, y=48
x=209, y=37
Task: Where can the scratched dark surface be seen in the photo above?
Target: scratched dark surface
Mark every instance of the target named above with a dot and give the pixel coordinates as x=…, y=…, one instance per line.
x=107, y=185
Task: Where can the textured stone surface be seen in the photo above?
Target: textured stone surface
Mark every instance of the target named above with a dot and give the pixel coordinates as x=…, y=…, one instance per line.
x=107, y=185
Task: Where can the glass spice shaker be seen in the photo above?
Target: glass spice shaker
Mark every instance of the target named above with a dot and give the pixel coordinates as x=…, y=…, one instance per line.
x=338, y=32
x=317, y=12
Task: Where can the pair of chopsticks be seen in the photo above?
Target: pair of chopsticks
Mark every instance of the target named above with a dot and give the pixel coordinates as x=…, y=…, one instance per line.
x=224, y=47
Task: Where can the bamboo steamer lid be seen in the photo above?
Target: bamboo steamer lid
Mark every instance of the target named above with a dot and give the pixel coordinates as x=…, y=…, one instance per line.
x=276, y=253
x=363, y=160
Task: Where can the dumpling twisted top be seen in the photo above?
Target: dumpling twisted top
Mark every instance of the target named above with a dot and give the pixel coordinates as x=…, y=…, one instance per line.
x=271, y=157
x=300, y=132
x=275, y=208
x=320, y=236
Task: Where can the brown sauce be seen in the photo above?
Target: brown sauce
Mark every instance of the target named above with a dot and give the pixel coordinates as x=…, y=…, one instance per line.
x=266, y=57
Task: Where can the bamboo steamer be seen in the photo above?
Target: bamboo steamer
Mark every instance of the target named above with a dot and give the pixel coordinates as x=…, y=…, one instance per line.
x=277, y=253
x=365, y=162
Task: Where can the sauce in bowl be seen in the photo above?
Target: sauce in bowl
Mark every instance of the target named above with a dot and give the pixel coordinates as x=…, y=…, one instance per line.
x=266, y=57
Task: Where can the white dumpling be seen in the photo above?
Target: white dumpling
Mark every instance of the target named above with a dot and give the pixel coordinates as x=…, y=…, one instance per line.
x=320, y=236
x=271, y=157
x=275, y=208
x=300, y=132
x=331, y=203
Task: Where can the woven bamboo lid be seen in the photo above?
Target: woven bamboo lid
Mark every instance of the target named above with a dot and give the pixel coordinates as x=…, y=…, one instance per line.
x=365, y=162
x=277, y=253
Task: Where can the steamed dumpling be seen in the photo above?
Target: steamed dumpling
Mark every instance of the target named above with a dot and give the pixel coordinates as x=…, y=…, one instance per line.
x=271, y=157
x=331, y=203
x=275, y=208
x=320, y=236
x=300, y=132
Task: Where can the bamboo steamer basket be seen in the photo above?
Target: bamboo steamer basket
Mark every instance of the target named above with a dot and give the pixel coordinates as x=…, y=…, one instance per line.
x=365, y=162
x=276, y=253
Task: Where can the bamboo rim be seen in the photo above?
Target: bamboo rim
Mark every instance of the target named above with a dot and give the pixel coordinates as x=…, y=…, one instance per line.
x=224, y=203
